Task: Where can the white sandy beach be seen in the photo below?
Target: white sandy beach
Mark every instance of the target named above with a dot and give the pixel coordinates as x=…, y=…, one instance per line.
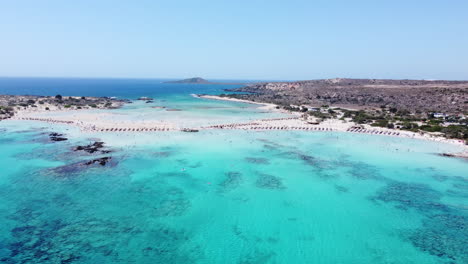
x=108, y=121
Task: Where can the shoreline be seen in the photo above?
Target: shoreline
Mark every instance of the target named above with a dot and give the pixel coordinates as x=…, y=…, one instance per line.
x=216, y=97
x=97, y=122
x=346, y=126
x=265, y=106
x=17, y=105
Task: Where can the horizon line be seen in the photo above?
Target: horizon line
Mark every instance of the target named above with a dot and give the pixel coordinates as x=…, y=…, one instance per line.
x=222, y=79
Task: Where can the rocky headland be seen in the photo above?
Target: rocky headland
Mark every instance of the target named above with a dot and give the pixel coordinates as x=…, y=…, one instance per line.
x=450, y=97
x=439, y=108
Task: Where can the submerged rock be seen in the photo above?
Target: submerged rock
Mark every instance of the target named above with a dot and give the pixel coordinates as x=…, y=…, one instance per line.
x=57, y=137
x=92, y=148
x=101, y=161
x=79, y=167
x=463, y=155
x=189, y=130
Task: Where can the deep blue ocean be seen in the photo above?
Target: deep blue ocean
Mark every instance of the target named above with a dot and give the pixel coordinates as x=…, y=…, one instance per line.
x=123, y=88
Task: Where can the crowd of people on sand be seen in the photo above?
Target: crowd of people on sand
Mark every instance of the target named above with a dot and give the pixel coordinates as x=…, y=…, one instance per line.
x=49, y=120
x=279, y=119
x=289, y=123
x=232, y=126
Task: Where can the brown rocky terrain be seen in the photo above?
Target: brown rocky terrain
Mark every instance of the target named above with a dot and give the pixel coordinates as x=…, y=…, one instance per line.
x=449, y=97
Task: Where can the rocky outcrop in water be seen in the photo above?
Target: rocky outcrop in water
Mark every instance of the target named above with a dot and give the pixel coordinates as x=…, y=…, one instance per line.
x=92, y=148
x=101, y=161
x=463, y=155
x=57, y=137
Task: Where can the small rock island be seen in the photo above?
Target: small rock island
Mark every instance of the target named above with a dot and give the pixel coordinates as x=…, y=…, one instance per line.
x=194, y=80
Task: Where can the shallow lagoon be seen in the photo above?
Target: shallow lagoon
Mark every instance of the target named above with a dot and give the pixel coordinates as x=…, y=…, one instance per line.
x=233, y=197
x=228, y=196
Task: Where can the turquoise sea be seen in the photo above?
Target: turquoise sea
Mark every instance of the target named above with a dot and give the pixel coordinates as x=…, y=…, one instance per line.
x=222, y=196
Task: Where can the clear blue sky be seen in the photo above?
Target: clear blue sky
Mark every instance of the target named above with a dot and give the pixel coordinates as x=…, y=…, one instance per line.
x=235, y=39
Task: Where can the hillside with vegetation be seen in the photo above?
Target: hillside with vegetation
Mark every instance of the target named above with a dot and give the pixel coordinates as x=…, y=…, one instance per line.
x=416, y=105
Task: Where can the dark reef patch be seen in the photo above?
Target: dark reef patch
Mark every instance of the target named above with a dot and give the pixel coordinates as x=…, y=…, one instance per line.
x=162, y=154
x=261, y=161
x=74, y=169
x=93, y=148
x=258, y=257
x=459, y=189
x=341, y=189
x=196, y=165
x=238, y=232
x=270, y=147
x=315, y=162
x=411, y=195
x=439, y=177
x=57, y=137
x=57, y=241
x=309, y=160
x=171, y=207
x=56, y=229
x=444, y=236
x=164, y=202
x=6, y=141
x=363, y=171
x=270, y=142
x=101, y=161
x=232, y=180
x=267, y=181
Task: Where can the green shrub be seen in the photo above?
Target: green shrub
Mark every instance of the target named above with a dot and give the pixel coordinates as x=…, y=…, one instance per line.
x=380, y=123
x=456, y=131
x=428, y=128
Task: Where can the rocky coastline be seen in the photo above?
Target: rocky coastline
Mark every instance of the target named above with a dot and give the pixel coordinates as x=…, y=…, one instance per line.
x=450, y=97
x=420, y=106
x=10, y=105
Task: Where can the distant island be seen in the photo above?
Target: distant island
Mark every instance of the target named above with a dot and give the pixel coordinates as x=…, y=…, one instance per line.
x=199, y=80
x=196, y=80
